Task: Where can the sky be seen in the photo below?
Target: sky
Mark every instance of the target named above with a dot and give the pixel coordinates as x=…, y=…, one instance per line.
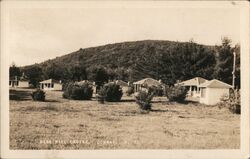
x=39, y=34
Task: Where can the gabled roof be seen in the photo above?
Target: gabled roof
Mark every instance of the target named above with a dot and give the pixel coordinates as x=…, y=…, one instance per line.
x=149, y=82
x=215, y=84
x=192, y=82
x=50, y=81
x=119, y=82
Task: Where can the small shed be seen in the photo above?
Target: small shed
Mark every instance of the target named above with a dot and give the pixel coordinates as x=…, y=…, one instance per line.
x=212, y=91
x=145, y=83
x=51, y=84
x=193, y=86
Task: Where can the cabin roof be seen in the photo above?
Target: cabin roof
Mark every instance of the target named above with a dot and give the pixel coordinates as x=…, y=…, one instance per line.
x=148, y=81
x=215, y=84
x=50, y=81
x=121, y=83
x=192, y=82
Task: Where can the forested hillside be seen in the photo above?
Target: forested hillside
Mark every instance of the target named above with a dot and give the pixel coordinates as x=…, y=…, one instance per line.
x=131, y=61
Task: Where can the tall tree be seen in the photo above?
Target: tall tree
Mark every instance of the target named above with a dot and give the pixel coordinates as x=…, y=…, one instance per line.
x=78, y=73
x=34, y=74
x=14, y=71
x=224, y=65
x=98, y=74
x=185, y=61
x=54, y=71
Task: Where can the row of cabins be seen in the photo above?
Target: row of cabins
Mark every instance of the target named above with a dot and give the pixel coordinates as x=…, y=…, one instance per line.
x=207, y=91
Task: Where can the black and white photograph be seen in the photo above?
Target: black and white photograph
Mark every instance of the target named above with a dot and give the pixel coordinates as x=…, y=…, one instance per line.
x=125, y=75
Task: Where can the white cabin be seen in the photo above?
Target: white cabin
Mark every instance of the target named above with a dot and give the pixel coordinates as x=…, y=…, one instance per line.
x=51, y=84
x=212, y=91
x=19, y=83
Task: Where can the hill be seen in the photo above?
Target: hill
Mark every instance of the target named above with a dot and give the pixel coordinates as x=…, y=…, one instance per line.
x=132, y=61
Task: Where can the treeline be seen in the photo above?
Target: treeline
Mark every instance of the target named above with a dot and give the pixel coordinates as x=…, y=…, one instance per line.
x=131, y=61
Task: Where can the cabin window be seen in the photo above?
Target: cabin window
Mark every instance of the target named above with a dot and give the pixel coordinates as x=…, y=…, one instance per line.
x=48, y=85
x=198, y=90
x=52, y=85
x=17, y=83
x=192, y=88
x=203, y=92
x=9, y=82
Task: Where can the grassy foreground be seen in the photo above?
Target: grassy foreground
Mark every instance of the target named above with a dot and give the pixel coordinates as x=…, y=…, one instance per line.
x=67, y=124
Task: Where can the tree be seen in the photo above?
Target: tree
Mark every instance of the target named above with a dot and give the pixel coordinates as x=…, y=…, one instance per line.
x=54, y=71
x=14, y=71
x=185, y=61
x=224, y=64
x=110, y=92
x=34, y=74
x=98, y=74
x=78, y=73
x=122, y=74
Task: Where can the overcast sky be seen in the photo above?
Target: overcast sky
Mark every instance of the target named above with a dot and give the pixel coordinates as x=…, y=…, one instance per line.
x=40, y=34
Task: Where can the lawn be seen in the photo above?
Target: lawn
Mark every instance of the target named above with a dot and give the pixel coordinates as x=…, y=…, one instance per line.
x=59, y=123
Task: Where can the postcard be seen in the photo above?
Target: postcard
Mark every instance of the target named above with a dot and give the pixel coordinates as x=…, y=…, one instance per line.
x=125, y=79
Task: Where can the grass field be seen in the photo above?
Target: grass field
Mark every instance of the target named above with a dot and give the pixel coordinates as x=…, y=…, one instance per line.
x=67, y=124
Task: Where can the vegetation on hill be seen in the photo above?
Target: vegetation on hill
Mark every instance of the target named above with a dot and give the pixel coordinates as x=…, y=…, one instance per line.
x=131, y=61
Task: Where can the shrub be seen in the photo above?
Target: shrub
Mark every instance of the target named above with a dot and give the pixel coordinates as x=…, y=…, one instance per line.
x=110, y=92
x=143, y=99
x=67, y=90
x=38, y=95
x=176, y=93
x=78, y=92
x=130, y=91
x=232, y=102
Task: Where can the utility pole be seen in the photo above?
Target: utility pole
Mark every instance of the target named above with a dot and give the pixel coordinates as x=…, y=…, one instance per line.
x=234, y=62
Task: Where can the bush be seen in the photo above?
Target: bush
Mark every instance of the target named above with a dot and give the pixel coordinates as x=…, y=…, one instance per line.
x=232, y=102
x=143, y=99
x=38, y=95
x=110, y=92
x=78, y=92
x=176, y=93
x=130, y=91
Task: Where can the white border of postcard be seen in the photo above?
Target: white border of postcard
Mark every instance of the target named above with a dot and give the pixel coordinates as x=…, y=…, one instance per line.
x=242, y=153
